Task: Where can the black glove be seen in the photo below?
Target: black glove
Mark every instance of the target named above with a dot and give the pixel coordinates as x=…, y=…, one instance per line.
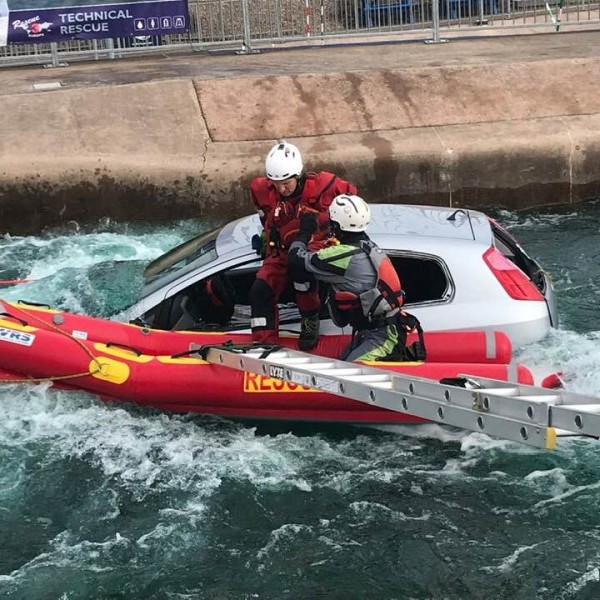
x=308, y=225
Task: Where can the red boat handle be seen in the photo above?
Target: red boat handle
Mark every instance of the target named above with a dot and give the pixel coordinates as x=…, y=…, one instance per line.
x=22, y=321
x=130, y=348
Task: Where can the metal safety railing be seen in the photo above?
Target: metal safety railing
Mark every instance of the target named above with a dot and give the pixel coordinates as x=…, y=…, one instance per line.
x=247, y=24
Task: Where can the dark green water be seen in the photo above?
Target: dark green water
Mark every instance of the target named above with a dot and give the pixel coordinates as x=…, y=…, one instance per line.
x=100, y=501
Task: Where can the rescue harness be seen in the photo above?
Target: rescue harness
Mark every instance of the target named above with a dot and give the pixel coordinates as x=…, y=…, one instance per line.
x=384, y=299
x=381, y=305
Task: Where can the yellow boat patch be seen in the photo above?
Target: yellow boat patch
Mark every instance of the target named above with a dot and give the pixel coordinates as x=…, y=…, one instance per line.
x=109, y=369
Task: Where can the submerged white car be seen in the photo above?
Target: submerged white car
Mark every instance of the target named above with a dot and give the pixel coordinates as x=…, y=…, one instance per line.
x=459, y=269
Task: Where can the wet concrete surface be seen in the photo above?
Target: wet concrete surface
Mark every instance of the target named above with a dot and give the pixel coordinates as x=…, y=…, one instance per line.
x=504, y=121
x=329, y=58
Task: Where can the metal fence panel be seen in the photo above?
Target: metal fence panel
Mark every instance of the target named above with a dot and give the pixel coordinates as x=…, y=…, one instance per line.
x=241, y=24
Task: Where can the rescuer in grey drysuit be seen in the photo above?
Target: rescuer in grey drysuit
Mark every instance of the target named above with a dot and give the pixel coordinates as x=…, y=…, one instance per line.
x=365, y=290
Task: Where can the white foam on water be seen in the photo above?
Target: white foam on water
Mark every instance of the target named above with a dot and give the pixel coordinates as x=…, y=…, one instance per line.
x=425, y=431
x=592, y=575
x=474, y=446
x=373, y=511
x=552, y=482
x=155, y=537
x=59, y=266
x=142, y=456
x=508, y=563
x=68, y=553
x=43, y=259
x=565, y=494
x=83, y=252
x=515, y=220
x=146, y=453
x=576, y=355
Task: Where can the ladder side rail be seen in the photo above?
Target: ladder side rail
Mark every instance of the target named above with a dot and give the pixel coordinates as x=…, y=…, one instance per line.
x=539, y=435
x=531, y=411
x=572, y=412
x=579, y=419
x=525, y=432
x=498, y=389
x=431, y=409
x=566, y=397
x=407, y=384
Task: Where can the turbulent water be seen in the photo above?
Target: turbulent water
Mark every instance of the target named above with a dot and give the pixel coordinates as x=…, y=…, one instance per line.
x=100, y=502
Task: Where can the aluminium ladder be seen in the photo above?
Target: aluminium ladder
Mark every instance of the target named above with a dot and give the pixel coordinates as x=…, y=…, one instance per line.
x=529, y=414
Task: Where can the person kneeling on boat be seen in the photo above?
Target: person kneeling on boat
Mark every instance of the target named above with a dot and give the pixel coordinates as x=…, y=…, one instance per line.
x=365, y=290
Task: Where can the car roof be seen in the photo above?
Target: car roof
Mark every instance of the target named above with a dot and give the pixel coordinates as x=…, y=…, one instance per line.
x=412, y=222
x=429, y=221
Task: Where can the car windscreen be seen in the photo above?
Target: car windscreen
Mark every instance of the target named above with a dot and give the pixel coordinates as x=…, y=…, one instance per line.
x=190, y=255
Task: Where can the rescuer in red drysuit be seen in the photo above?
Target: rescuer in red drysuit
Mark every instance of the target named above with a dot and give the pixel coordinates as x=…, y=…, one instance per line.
x=280, y=199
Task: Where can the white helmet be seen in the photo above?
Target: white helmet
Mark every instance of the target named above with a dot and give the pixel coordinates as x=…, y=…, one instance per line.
x=283, y=161
x=351, y=213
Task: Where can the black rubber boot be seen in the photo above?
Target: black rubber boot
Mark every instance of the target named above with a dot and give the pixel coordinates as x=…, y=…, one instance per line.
x=309, y=332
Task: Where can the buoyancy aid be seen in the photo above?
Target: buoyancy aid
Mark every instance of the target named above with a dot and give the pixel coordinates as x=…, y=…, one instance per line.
x=379, y=306
x=381, y=302
x=281, y=216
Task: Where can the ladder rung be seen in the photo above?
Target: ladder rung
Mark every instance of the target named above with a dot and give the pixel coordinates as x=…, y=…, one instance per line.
x=313, y=366
x=508, y=391
x=342, y=373
x=272, y=356
x=383, y=385
x=588, y=408
x=550, y=398
x=368, y=378
x=295, y=361
x=321, y=368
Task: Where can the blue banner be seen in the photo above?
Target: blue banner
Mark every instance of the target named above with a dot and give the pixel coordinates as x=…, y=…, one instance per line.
x=41, y=21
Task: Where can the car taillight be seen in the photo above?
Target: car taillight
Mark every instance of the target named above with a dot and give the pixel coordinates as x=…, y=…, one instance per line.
x=512, y=279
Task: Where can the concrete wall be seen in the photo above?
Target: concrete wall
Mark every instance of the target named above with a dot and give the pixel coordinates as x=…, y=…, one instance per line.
x=512, y=134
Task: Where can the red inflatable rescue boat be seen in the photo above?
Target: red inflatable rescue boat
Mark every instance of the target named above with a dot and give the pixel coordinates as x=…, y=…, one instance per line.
x=122, y=362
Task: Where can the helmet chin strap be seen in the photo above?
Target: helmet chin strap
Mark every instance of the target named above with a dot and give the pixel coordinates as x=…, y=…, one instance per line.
x=335, y=229
x=348, y=237
x=298, y=191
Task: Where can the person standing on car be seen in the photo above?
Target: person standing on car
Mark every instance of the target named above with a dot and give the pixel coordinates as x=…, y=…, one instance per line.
x=365, y=290
x=280, y=198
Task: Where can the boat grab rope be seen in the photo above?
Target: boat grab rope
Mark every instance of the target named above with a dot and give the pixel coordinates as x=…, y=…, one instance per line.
x=25, y=379
x=45, y=324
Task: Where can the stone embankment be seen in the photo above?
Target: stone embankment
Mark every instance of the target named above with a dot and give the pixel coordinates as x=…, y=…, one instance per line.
x=494, y=121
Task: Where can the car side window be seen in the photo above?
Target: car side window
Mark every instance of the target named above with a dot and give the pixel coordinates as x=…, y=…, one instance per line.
x=423, y=278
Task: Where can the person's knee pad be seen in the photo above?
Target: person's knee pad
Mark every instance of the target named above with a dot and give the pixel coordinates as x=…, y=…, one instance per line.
x=261, y=296
x=303, y=280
